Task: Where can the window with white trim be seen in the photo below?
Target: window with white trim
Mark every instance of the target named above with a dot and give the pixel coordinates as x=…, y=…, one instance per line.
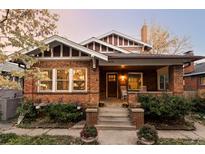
x=163, y=82
x=46, y=84
x=62, y=79
x=202, y=80
x=135, y=81
x=79, y=79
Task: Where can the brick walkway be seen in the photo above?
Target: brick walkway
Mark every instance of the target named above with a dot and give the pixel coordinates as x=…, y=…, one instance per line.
x=107, y=136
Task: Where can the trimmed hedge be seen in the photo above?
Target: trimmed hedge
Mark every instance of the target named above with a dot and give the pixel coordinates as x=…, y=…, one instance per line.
x=55, y=112
x=64, y=112
x=165, y=107
x=198, y=105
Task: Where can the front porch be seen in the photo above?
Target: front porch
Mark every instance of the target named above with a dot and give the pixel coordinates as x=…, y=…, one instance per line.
x=120, y=84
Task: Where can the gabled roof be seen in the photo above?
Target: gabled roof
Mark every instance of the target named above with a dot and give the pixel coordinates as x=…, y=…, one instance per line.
x=125, y=36
x=198, y=70
x=94, y=39
x=9, y=67
x=72, y=44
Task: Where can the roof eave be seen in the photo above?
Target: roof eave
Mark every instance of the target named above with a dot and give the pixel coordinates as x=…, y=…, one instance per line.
x=71, y=43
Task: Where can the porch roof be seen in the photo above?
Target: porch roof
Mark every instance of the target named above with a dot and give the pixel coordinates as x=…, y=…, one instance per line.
x=133, y=59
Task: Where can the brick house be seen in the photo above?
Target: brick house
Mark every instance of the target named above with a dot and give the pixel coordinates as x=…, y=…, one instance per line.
x=194, y=78
x=96, y=70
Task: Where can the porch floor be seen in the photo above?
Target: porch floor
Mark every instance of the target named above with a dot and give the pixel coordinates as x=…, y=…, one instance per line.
x=113, y=102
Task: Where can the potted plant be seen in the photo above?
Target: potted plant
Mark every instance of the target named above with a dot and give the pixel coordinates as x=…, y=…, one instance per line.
x=147, y=135
x=89, y=133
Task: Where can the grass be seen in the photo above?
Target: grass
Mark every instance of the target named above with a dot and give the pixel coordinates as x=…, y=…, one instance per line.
x=13, y=139
x=180, y=142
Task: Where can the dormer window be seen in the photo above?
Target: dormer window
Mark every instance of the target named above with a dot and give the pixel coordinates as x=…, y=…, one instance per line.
x=56, y=51
x=47, y=53
x=75, y=53
x=66, y=51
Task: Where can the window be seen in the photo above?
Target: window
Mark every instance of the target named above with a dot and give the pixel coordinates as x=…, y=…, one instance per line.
x=163, y=82
x=131, y=42
x=83, y=54
x=134, y=81
x=47, y=53
x=75, y=53
x=202, y=80
x=62, y=79
x=111, y=77
x=66, y=51
x=56, y=51
x=79, y=79
x=46, y=84
x=104, y=48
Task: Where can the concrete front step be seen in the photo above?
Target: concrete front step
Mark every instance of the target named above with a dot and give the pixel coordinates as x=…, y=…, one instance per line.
x=109, y=114
x=116, y=123
x=108, y=109
x=113, y=118
x=115, y=127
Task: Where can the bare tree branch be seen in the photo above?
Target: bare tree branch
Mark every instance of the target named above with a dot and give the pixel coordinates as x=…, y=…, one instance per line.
x=6, y=17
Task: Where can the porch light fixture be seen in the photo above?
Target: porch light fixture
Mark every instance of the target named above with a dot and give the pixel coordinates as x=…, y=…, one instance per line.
x=122, y=66
x=122, y=77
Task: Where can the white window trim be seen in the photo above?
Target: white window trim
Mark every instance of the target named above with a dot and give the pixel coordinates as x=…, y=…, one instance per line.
x=164, y=81
x=128, y=79
x=86, y=80
x=55, y=87
x=38, y=87
x=70, y=80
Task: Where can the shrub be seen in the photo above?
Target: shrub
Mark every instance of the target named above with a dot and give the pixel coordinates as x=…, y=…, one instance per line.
x=165, y=107
x=28, y=109
x=148, y=132
x=64, y=112
x=89, y=131
x=5, y=138
x=198, y=105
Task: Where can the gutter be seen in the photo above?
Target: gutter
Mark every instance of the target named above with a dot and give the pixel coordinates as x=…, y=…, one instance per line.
x=193, y=74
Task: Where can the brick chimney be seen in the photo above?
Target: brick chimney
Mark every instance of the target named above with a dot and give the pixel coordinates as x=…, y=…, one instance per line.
x=189, y=68
x=144, y=33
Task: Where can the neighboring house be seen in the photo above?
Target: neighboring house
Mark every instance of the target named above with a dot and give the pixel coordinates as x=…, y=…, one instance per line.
x=97, y=68
x=10, y=98
x=194, y=78
x=7, y=68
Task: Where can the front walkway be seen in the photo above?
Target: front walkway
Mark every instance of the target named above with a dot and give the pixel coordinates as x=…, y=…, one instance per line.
x=107, y=136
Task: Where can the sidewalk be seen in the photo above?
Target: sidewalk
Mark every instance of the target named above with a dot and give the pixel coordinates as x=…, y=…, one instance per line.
x=107, y=136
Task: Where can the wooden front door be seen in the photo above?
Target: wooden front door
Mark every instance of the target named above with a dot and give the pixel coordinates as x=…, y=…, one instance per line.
x=111, y=85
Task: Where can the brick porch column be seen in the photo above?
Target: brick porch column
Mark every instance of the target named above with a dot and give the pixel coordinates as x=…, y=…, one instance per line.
x=91, y=116
x=94, y=86
x=137, y=117
x=176, y=79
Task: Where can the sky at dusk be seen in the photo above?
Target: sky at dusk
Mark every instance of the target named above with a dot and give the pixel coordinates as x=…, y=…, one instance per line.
x=79, y=25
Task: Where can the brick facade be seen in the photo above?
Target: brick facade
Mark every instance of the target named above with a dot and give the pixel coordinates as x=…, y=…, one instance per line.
x=176, y=79
x=91, y=96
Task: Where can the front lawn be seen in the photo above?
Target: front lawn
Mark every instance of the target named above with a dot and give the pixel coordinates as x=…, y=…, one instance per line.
x=13, y=139
x=180, y=142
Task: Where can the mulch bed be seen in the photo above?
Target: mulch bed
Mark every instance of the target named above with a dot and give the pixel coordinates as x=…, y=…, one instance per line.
x=44, y=123
x=172, y=125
